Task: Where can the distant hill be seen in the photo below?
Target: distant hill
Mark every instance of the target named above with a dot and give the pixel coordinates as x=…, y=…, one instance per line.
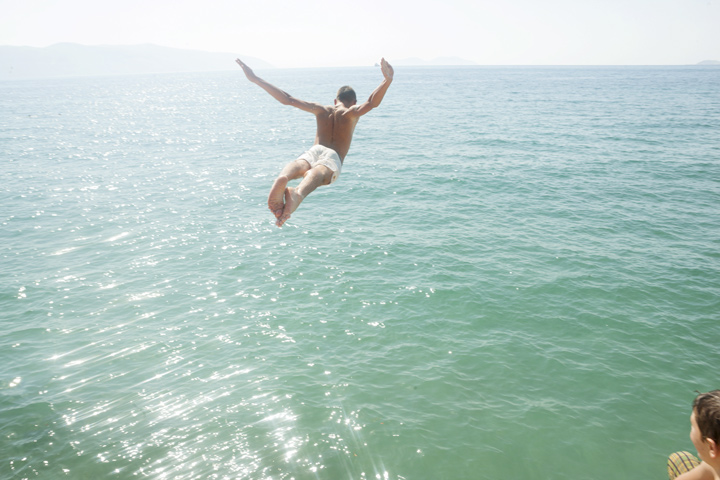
x=71, y=60
x=709, y=62
x=414, y=61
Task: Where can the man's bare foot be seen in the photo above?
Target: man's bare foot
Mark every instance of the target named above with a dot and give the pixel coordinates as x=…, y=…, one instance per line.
x=276, y=201
x=292, y=201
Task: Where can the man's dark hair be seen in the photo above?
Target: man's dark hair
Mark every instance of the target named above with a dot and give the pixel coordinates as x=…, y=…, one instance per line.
x=346, y=95
x=707, y=414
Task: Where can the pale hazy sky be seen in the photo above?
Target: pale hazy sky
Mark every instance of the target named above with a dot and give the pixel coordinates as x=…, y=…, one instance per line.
x=313, y=33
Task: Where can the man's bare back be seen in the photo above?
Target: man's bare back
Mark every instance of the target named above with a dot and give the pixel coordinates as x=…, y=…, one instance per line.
x=335, y=127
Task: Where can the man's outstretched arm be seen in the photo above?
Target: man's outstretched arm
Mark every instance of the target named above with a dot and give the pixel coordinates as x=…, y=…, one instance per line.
x=279, y=95
x=379, y=93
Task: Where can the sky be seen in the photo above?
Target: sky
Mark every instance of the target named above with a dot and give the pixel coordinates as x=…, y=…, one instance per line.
x=323, y=33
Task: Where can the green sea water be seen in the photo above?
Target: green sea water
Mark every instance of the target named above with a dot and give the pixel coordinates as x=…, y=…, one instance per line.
x=516, y=276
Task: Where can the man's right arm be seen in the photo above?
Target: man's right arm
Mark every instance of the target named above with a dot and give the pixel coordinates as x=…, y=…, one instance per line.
x=279, y=95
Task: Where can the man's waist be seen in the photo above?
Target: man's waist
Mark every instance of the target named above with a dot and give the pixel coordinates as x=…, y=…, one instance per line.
x=334, y=149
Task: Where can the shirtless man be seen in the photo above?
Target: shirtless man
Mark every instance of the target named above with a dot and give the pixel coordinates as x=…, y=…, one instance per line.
x=321, y=164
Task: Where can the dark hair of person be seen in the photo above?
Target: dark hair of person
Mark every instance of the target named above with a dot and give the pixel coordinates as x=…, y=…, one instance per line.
x=707, y=414
x=346, y=95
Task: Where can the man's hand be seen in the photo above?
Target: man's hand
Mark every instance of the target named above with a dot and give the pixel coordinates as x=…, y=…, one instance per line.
x=387, y=69
x=248, y=71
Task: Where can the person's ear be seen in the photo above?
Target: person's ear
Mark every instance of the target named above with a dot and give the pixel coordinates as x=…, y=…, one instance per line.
x=713, y=448
x=335, y=102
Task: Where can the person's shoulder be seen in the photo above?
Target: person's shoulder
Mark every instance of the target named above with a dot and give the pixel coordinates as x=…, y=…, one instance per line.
x=321, y=109
x=701, y=472
x=340, y=111
x=353, y=111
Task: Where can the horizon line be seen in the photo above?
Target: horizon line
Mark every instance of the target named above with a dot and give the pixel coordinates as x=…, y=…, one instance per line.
x=426, y=63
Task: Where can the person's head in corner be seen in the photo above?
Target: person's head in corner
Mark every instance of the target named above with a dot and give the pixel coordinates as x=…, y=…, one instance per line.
x=346, y=96
x=705, y=422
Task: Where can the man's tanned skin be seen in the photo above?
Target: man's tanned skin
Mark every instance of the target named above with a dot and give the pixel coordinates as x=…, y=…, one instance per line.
x=335, y=127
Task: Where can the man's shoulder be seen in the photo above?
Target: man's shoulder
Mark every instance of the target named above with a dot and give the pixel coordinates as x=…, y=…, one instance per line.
x=701, y=472
x=325, y=110
x=348, y=112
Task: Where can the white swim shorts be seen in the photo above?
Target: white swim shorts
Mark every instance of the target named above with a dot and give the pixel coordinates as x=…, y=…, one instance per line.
x=320, y=155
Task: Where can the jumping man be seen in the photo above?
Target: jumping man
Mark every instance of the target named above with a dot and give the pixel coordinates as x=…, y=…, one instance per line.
x=321, y=164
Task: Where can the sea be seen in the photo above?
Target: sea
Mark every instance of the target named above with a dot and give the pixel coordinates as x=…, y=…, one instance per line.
x=516, y=276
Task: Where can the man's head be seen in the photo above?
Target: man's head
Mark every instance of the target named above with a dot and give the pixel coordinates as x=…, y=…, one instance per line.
x=346, y=95
x=705, y=422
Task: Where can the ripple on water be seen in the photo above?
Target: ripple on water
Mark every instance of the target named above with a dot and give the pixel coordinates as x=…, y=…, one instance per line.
x=551, y=272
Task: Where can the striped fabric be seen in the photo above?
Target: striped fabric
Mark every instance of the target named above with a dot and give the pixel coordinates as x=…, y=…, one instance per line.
x=681, y=462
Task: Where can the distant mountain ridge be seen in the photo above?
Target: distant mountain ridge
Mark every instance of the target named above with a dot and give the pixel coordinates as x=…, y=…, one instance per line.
x=71, y=59
x=415, y=61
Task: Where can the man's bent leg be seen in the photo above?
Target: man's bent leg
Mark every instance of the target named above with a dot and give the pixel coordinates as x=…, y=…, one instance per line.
x=291, y=171
x=295, y=169
x=317, y=176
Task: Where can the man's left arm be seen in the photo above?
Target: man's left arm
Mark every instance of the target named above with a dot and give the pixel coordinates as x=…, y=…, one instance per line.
x=379, y=93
